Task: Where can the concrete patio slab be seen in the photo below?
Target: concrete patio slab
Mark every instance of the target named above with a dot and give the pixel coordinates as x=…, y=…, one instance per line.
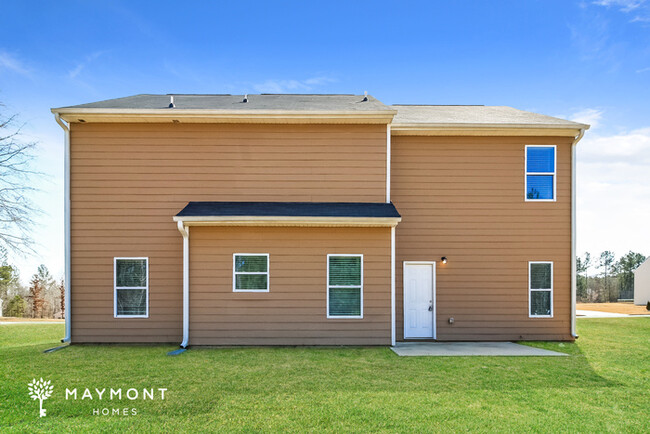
x=469, y=349
x=598, y=314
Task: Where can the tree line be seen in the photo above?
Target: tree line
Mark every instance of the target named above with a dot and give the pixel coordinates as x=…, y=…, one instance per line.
x=603, y=279
x=44, y=297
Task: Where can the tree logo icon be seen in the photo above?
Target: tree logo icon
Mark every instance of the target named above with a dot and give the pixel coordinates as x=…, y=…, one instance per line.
x=40, y=390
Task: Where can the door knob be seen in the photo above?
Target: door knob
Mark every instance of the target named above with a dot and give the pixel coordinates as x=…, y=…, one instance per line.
x=430, y=308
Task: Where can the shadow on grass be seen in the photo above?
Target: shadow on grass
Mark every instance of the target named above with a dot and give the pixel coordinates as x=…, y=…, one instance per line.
x=287, y=370
x=213, y=383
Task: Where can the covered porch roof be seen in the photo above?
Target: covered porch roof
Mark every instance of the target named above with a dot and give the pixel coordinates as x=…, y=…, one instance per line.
x=344, y=214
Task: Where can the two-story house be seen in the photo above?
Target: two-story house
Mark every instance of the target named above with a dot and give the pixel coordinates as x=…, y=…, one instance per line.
x=316, y=220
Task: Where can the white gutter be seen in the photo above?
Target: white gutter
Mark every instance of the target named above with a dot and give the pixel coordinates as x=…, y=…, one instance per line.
x=225, y=116
x=484, y=130
x=434, y=125
x=185, y=232
x=287, y=221
x=573, y=232
x=222, y=112
x=66, y=218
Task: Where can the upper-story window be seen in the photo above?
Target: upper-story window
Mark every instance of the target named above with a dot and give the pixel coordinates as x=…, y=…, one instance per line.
x=540, y=173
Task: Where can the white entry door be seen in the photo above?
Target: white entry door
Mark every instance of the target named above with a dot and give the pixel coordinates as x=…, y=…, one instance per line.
x=419, y=300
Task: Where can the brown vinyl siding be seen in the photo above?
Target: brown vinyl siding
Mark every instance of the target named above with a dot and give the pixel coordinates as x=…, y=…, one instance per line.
x=129, y=180
x=293, y=312
x=463, y=198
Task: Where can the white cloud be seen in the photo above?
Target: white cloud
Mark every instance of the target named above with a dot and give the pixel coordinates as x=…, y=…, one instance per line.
x=624, y=5
x=318, y=81
x=632, y=148
x=640, y=8
x=588, y=116
x=11, y=63
x=613, y=192
x=73, y=73
x=289, y=86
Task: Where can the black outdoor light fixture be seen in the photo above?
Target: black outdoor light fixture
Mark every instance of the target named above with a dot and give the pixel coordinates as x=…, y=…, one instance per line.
x=444, y=259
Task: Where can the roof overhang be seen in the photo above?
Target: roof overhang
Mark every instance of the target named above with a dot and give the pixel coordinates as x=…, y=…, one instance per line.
x=174, y=115
x=369, y=222
x=468, y=129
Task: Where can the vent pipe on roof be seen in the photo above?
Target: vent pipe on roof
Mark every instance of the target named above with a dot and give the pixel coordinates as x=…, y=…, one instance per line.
x=365, y=96
x=171, y=101
x=245, y=98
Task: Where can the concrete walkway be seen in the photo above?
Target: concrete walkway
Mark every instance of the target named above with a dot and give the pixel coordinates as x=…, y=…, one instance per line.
x=598, y=314
x=469, y=349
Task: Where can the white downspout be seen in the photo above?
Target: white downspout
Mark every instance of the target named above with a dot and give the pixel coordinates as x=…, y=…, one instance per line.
x=573, y=232
x=392, y=242
x=388, y=163
x=66, y=218
x=185, y=232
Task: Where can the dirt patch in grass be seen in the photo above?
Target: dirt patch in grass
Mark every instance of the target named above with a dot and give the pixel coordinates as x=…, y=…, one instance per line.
x=623, y=307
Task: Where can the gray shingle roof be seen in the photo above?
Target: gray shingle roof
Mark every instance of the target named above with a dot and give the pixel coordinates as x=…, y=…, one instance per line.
x=289, y=209
x=408, y=116
x=476, y=115
x=265, y=102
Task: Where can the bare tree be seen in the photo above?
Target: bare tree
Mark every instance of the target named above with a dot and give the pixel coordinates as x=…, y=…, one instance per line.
x=41, y=289
x=36, y=290
x=606, y=262
x=582, y=266
x=16, y=209
x=62, y=297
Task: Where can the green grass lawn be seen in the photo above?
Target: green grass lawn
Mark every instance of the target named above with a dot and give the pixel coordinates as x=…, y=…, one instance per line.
x=603, y=386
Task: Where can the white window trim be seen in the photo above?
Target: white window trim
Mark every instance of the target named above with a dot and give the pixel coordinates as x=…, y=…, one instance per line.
x=235, y=273
x=530, y=290
x=115, y=288
x=554, y=173
x=327, y=311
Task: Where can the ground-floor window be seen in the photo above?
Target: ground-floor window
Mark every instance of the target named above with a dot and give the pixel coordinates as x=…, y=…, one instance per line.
x=131, y=287
x=540, y=289
x=345, y=286
x=250, y=272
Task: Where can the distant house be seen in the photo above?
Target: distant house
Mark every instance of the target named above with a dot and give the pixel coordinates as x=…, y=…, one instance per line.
x=642, y=283
x=316, y=220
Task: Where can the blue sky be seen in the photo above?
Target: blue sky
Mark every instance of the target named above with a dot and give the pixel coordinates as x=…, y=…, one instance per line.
x=582, y=60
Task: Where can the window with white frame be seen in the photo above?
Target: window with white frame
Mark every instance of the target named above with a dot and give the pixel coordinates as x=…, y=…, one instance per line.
x=540, y=173
x=345, y=286
x=540, y=289
x=250, y=272
x=131, y=287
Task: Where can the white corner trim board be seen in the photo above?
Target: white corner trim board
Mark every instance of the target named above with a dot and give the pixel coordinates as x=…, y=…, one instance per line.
x=573, y=232
x=66, y=212
x=388, y=157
